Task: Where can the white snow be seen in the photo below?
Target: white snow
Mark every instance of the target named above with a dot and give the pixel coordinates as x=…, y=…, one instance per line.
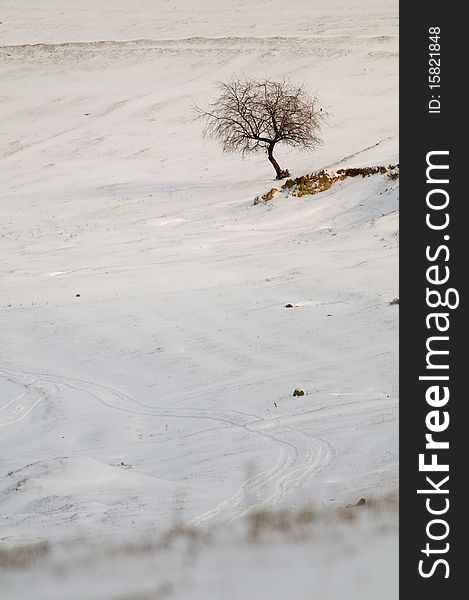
x=147, y=362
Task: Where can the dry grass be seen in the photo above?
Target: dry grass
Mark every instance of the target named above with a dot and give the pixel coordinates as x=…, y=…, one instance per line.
x=299, y=523
x=258, y=526
x=192, y=537
x=23, y=556
x=289, y=523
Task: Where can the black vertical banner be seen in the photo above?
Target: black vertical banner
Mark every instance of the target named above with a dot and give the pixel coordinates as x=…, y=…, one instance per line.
x=433, y=264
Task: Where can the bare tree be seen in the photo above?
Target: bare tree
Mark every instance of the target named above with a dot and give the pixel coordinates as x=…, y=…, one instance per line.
x=254, y=116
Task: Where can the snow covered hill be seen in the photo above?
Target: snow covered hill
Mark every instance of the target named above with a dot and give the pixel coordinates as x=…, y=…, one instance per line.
x=147, y=360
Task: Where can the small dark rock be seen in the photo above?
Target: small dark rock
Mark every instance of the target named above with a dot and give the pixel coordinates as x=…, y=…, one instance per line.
x=77, y=295
x=298, y=393
x=360, y=502
x=288, y=305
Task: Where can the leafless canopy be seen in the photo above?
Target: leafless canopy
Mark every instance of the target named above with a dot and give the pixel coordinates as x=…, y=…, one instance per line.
x=252, y=116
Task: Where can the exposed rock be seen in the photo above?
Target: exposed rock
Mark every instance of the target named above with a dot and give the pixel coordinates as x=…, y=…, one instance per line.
x=360, y=502
x=266, y=197
x=320, y=181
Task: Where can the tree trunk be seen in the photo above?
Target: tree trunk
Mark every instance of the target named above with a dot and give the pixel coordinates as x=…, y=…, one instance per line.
x=280, y=173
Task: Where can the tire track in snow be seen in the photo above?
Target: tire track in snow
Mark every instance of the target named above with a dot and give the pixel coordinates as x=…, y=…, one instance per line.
x=340, y=162
x=300, y=456
x=20, y=407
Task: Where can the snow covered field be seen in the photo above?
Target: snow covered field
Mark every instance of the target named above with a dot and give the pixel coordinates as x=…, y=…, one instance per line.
x=147, y=360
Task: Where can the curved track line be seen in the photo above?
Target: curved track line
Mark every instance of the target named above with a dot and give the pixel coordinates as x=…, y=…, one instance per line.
x=19, y=408
x=358, y=152
x=300, y=457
